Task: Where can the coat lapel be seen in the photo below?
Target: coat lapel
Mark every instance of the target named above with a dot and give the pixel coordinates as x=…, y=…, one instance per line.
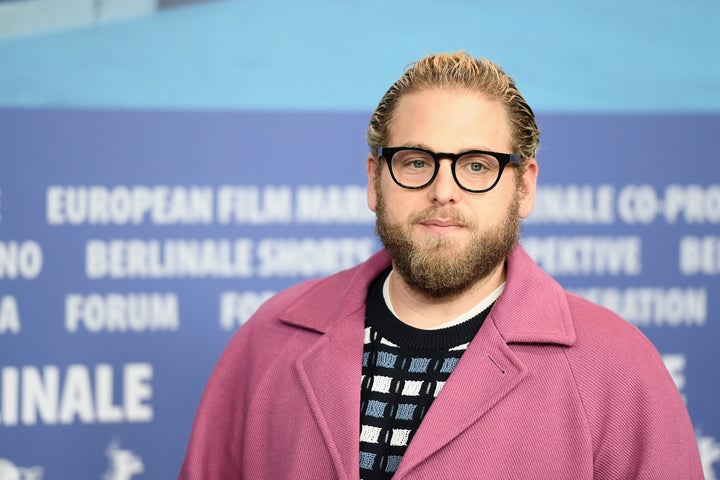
x=532, y=309
x=487, y=372
x=330, y=376
x=331, y=370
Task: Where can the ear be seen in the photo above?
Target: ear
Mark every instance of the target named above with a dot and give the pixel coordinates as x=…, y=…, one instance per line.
x=528, y=185
x=371, y=167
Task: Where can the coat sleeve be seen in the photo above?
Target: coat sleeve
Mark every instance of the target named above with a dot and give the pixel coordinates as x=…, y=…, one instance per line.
x=215, y=449
x=215, y=445
x=639, y=424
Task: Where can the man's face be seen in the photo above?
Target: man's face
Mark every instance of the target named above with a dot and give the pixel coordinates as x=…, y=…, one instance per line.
x=442, y=239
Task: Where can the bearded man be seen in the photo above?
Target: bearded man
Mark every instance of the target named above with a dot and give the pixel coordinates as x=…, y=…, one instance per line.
x=449, y=354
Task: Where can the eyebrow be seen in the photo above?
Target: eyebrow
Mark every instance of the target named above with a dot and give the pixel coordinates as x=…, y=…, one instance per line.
x=462, y=150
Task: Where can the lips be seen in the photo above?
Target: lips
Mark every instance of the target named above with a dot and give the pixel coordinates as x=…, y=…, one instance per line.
x=442, y=223
x=439, y=218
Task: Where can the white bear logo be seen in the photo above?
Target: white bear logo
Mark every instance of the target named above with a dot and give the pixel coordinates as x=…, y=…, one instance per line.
x=9, y=471
x=122, y=464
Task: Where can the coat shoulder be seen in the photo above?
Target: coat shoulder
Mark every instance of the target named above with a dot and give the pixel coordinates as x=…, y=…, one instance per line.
x=629, y=398
x=610, y=350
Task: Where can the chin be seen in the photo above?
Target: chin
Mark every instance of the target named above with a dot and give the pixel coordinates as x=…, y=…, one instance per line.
x=439, y=243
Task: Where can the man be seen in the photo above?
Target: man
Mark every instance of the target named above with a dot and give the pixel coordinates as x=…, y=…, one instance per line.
x=450, y=354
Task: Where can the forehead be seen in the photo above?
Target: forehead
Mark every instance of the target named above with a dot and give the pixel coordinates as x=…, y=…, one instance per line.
x=450, y=121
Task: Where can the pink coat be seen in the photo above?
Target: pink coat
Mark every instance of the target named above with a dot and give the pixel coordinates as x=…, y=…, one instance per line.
x=552, y=387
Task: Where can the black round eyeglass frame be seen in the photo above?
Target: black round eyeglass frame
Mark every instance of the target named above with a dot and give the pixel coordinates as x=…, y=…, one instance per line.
x=503, y=160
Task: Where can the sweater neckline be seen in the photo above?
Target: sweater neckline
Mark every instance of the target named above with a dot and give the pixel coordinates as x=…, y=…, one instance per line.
x=380, y=318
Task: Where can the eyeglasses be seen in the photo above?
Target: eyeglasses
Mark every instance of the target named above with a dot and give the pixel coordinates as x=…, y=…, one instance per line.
x=475, y=171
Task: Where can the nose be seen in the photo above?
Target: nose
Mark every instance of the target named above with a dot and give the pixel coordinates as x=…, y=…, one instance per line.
x=444, y=189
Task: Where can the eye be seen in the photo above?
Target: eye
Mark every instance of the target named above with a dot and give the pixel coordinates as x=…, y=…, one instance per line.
x=476, y=164
x=411, y=160
x=417, y=163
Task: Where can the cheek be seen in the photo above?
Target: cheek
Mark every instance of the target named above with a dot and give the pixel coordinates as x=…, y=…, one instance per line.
x=395, y=206
x=505, y=193
x=492, y=210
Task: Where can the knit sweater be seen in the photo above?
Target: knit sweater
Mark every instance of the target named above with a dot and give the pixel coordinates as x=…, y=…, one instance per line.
x=404, y=369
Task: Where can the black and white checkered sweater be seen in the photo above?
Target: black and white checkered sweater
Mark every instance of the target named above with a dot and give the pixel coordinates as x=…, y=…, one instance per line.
x=404, y=369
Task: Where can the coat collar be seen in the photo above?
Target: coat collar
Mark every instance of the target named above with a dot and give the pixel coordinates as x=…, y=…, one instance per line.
x=335, y=296
x=532, y=309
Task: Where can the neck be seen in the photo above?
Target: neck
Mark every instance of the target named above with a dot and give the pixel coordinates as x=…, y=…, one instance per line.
x=420, y=311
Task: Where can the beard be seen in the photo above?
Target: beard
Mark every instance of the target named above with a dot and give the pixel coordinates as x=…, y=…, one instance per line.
x=436, y=266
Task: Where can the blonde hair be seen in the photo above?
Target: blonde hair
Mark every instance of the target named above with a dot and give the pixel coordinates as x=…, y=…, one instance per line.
x=460, y=71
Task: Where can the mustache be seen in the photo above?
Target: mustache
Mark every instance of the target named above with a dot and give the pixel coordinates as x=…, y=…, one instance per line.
x=440, y=212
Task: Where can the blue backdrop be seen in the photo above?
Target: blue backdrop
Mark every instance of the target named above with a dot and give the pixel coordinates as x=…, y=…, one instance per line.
x=160, y=178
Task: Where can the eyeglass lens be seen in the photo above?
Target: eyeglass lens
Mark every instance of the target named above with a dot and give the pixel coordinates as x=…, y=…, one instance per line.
x=474, y=171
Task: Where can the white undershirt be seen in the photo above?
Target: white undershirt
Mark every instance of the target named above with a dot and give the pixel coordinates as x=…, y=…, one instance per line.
x=484, y=303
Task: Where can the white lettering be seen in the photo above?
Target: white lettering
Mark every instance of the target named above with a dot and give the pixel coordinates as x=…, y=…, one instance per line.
x=675, y=365
x=254, y=206
x=77, y=398
x=24, y=260
x=40, y=394
x=332, y=204
x=284, y=257
x=638, y=204
x=136, y=258
x=699, y=255
x=586, y=255
x=114, y=312
x=138, y=392
x=31, y=395
x=54, y=206
x=107, y=410
x=574, y=204
x=122, y=205
x=9, y=315
x=9, y=398
x=237, y=308
x=709, y=455
x=692, y=203
x=646, y=306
